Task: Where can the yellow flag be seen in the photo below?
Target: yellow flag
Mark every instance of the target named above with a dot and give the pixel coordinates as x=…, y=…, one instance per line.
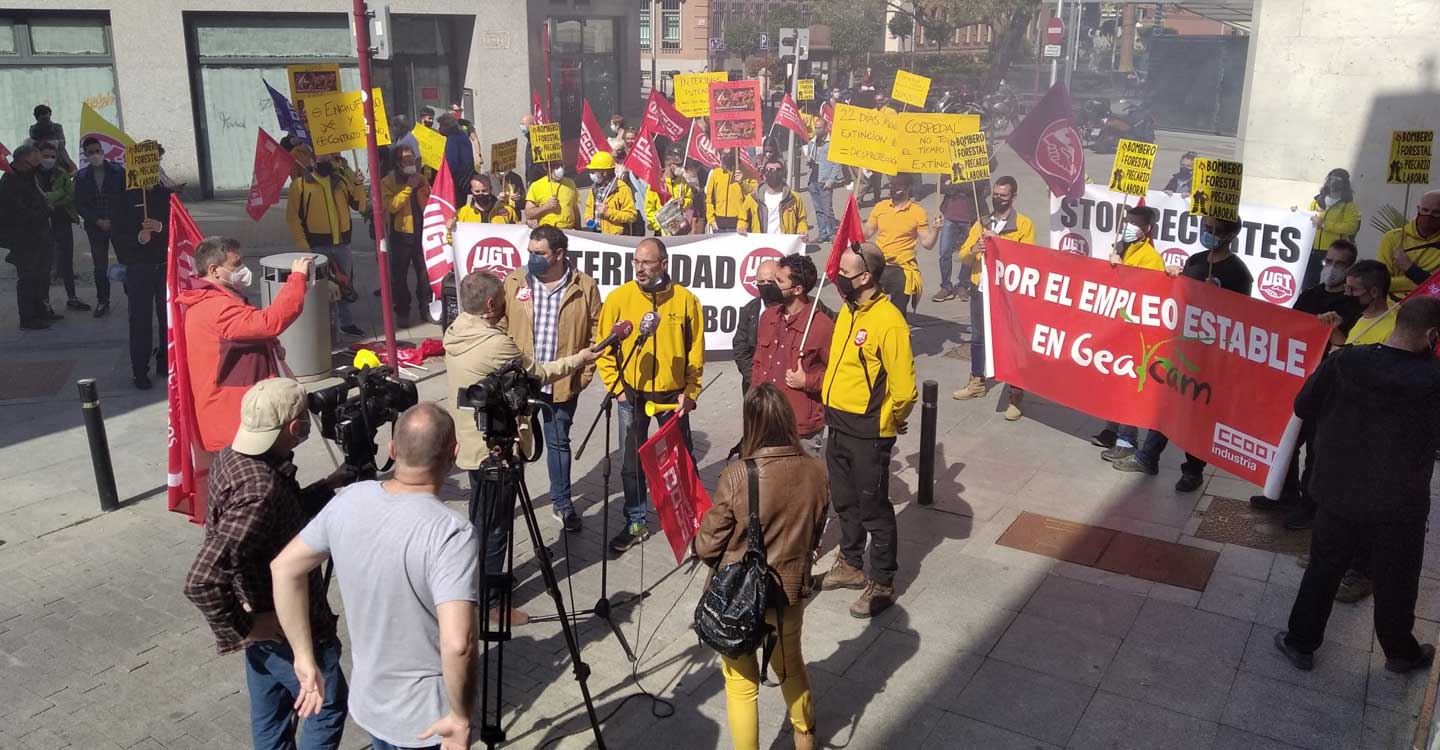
x=113, y=139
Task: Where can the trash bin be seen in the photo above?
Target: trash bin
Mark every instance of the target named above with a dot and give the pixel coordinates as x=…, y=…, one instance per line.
x=307, y=340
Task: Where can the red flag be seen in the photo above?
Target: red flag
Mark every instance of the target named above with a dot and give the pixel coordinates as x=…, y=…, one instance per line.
x=538, y=110
x=702, y=151
x=272, y=169
x=1048, y=142
x=680, y=497
x=644, y=163
x=185, y=491
x=662, y=117
x=4, y=158
x=747, y=164
x=789, y=118
x=827, y=113
x=439, y=255
x=592, y=138
x=850, y=233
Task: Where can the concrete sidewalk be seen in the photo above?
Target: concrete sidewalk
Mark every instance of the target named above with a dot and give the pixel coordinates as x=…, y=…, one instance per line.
x=988, y=646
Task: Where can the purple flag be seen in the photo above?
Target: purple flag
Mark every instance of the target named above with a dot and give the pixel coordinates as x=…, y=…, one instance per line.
x=286, y=115
x=1048, y=142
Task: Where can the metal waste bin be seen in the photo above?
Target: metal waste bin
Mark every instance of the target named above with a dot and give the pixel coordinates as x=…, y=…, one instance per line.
x=307, y=340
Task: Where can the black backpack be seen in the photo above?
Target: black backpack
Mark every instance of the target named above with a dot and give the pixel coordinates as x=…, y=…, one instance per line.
x=730, y=616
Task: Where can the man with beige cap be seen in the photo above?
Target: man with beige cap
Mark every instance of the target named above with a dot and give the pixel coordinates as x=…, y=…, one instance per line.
x=256, y=508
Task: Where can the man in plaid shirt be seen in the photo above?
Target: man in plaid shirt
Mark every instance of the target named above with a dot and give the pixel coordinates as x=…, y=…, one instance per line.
x=256, y=508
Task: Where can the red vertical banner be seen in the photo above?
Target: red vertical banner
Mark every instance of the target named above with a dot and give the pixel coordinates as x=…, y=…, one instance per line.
x=703, y=151
x=183, y=487
x=662, y=117
x=789, y=118
x=644, y=162
x=272, y=169
x=680, y=498
x=735, y=114
x=592, y=138
x=434, y=238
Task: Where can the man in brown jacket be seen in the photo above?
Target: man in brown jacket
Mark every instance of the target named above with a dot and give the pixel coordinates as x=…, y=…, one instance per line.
x=551, y=309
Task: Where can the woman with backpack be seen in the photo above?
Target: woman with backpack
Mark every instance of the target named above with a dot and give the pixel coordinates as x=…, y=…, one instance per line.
x=792, y=494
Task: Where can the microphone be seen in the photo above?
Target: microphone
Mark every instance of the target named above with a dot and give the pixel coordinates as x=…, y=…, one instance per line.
x=648, y=324
x=618, y=332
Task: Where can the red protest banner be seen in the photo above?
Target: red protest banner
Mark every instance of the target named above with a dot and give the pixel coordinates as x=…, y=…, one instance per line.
x=680, y=498
x=1216, y=371
x=703, y=151
x=788, y=117
x=644, y=163
x=662, y=117
x=271, y=170
x=735, y=113
x=592, y=138
x=185, y=478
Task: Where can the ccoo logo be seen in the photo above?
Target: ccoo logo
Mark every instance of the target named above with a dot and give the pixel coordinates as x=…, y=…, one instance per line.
x=1277, y=284
x=494, y=255
x=751, y=266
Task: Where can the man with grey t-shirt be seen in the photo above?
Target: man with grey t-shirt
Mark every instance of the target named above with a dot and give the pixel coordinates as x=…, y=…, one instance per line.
x=407, y=568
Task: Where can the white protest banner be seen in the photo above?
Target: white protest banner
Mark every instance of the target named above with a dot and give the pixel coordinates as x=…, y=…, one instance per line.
x=719, y=269
x=1274, y=242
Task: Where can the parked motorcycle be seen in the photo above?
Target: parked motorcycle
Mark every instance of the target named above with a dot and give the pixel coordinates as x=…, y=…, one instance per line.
x=1003, y=107
x=1133, y=121
x=1090, y=119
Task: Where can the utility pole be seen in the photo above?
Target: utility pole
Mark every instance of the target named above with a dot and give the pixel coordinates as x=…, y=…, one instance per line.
x=377, y=201
x=1055, y=62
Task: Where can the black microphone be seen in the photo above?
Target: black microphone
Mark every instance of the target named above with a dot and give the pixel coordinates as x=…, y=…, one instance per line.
x=648, y=324
x=618, y=332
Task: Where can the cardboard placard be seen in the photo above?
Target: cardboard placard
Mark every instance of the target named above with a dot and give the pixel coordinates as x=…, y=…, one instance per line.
x=692, y=92
x=910, y=88
x=805, y=90
x=969, y=158
x=735, y=114
x=432, y=146
x=337, y=121
x=142, y=166
x=864, y=138
x=922, y=140
x=1134, y=162
x=310, y=80
x=545, y=143
x=1215, y=189
x=502, y=155
x=1410, y=152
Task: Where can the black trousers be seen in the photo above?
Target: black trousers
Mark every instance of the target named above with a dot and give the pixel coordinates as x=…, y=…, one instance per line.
x=492, y=512
x=407, y=256
x=1396, y=551
x=892, y=282
x=860, y=493
x=100, y=259
x=62, y=232
x=32, y=281
x=145, y=289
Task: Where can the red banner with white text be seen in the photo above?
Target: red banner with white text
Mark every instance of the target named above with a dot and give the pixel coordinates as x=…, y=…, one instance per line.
x=680, y=498
x=1215, y=371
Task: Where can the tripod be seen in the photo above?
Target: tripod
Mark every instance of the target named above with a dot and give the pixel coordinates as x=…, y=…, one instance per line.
x=603, y=605
x=502, y=486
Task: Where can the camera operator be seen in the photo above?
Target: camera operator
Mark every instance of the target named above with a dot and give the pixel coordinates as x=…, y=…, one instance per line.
x=475, y=347
x=256, y=508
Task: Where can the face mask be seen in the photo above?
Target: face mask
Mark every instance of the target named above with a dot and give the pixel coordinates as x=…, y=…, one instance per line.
x=1209, y=241
x=770, y=294
x=897, y=196
x=409, y=169
x=558, y=173
x=324, y=168
x=1332, y=276
x=846, y=287
x=774, y=181
x=1000, y=204
x=692, y=180
x=485, y=201
x=1130, y=233
x=538, y=264
x=95, y=159
x=47, y=164
x=657, y=283
x=239, y=278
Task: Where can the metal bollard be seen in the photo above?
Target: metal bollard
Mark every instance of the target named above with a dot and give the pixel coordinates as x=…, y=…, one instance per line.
x=99, y=445
x=929, y=394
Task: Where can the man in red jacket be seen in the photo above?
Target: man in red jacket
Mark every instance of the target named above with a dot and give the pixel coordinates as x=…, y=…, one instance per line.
x=231, y=345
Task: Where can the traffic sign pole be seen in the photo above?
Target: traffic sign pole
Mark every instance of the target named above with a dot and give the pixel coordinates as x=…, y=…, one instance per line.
x=1054, y=31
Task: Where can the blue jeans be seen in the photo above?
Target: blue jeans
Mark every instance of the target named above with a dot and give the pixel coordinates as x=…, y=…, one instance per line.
x=634, y=429
x=557, y=453
x=341, y=258
x=824, y=199
x=977, y=334
x=951, y=235
x=378, y=744
x=1155, y=444
x=1126, y=436
x=270, y=675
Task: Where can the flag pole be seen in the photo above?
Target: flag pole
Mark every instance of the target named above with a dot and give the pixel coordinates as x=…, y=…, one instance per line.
x=689, y=136
x=814, y=305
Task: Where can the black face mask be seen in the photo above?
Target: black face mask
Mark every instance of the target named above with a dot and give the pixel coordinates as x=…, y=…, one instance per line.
x=484, y=202
x=770, y=294
x=899, y=196
x=1000, y=204
x=324, y=168
x=845, y=285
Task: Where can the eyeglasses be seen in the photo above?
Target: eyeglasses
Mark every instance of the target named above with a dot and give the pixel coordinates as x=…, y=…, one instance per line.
x=645, y=263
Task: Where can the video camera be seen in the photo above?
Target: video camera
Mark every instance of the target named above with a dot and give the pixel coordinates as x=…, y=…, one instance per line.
x=500, y=401
x=354, y=421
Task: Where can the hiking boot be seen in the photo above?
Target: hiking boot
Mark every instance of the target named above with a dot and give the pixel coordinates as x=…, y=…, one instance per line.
x=1104, y=439
x=843, y=575
x=1401, y=666
x=976, y=388
x=1117, y=453
x=805, y=740
x=1132, y=463
x=1353, y=587
x=1189, y=482
x=1012, y=411
x=876, y=598
x=1301, y=660
x=630, y=536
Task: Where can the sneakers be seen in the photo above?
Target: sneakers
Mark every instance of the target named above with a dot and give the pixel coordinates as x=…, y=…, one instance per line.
x=75, y=304
x=1354, y=587
x=1012, y=411
x=976, y=388
x=1260, y=502
x=843, y=576
x=1132, y=463
x=1104, y=439
x=1401, y=666
x=1301, y=660
x=101, y=310
x=571, y=520
x=876, y=598
x=630, y=536
x=1117, y=453
x=142, y=381
x=352, y=330
x=1189, y=482
x=943, y=294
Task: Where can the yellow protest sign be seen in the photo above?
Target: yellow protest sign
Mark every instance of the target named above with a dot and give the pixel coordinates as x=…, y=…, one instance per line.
x=806, y=90
x=969, y=158
x=545, y=144
x=502, y=155
x=311, y=80
x=337, y=121
x=923, y=140
x=1134, y=161
x=864, y=138
x=1215, y=189
x=1410, y=157
x=432, y=146
x=910, y=88
x=142, y=166
x=692, y=92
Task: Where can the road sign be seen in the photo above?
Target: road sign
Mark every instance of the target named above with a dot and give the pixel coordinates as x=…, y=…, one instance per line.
x=717, y=44
x=1054, y=31
x=765, y=41
x=795, y=43
x=1052, y=50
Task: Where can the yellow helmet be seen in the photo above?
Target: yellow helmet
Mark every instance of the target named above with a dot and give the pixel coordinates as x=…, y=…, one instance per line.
x=602, y=160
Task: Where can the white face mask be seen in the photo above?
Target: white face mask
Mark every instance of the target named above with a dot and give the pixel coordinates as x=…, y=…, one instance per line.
x=96, y=159
x=558, y=173
x=1130, y=233
x=1332, y=275
x=239, y=278
x=47, y=164
x=408, y=169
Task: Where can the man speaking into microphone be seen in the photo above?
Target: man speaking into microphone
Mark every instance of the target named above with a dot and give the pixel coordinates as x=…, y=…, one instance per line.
x=665, y=369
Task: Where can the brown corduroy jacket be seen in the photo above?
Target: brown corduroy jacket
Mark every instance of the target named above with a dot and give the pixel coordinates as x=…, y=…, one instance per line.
x=579, y=311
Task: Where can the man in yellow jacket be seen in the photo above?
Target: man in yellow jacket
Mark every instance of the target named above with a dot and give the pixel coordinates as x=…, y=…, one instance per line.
x=1003, y=221
x=610, y=207
x=725, y=194
x=404, y=193
x=1412, y=252
x=679, y=190
x=1135, y=247
x=318, y=212
x=869, y=391
x=783, y=213
x=666, y=371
